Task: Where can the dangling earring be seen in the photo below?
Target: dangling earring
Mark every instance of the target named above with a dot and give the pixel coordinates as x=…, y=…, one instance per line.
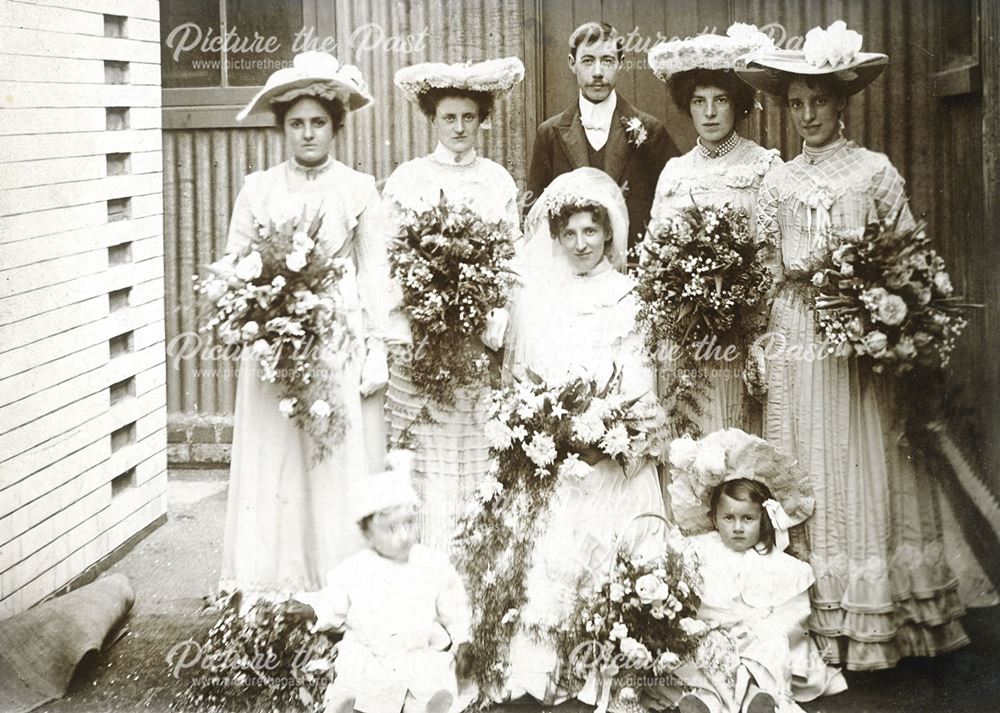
x=841, y=124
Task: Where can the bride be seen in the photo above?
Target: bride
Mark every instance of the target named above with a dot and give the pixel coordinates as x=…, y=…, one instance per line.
x=575, y=316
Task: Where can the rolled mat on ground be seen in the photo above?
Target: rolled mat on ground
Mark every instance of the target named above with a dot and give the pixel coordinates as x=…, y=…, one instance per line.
x=41, y=647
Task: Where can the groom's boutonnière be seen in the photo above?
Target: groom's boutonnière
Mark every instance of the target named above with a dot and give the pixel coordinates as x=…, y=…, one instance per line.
x=635, y=130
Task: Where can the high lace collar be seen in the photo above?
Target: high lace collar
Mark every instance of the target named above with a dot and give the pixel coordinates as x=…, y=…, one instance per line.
x=815, y=155
x=720, y=150
x=599, y=269
x=311, y=172
x=446, y=157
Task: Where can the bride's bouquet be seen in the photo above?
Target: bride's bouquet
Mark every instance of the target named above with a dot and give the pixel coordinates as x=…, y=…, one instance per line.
x=701, y=282
x=453, y=266
x=278, y=298
x=630, y=631
x=539, y=434
x=883, y=293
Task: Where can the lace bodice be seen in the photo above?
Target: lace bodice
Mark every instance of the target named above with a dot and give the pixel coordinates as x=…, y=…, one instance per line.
x=583, y=324
x=483, y=184
x=733, y=177
x=847, y=188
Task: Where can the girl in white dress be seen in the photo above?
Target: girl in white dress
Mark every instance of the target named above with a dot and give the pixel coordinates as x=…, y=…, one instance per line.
x=722, y=168
x=452, y=455
x=288, y=522
x=751, y=589
x=575, y=317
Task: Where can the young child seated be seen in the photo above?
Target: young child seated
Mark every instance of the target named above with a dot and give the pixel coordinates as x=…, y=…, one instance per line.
x=402, y=607
x=752, y=589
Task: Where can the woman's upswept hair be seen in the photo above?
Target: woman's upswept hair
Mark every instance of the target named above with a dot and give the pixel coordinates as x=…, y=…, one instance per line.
x=752, y=491
x=559, y=219
x=683, y=86
x=333, y=107
x=430, y=99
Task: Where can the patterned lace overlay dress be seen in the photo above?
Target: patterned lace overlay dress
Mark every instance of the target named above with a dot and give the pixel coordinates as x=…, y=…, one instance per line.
x=883, y=589
x=731, y=176
x=451, y=452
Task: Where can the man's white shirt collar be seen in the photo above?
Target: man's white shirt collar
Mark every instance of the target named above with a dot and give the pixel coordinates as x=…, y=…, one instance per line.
x=596, y=118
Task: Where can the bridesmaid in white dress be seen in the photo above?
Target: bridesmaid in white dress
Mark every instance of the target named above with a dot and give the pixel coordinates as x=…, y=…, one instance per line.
x=884, y=589
x=451, y=450
x=575, y=316
x=722, y=168
x=288, y=523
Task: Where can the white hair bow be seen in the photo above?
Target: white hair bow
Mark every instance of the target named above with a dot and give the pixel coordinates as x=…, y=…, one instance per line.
x=780, y=521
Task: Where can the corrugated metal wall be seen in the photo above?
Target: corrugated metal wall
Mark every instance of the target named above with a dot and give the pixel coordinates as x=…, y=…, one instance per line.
x=935, y=143
x=204, y=168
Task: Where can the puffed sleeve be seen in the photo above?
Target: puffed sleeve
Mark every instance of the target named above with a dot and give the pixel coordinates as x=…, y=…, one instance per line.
x=889, y=191
x=372, y=267
x=453, y=608
x=242, y=225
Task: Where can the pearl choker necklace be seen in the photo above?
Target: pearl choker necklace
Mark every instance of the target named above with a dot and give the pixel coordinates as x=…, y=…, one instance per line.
x=720, y=150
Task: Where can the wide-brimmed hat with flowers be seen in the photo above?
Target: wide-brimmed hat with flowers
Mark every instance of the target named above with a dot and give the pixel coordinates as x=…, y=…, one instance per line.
x=708, y=51
x=316, y=74
x=698, y=466
x=494, y=76
x=834, y=51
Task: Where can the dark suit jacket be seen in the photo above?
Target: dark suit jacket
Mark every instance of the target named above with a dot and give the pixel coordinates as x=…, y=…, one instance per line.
x=561, y=146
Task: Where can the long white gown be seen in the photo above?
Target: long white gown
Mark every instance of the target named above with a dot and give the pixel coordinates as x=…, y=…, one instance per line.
x=288, y=524
x=588, y=331
x=452, y=455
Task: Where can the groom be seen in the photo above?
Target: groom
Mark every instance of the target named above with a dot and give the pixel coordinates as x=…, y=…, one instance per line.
x=602, y=130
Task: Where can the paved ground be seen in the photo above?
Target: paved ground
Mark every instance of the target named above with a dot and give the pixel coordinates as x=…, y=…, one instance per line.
x=173, y=568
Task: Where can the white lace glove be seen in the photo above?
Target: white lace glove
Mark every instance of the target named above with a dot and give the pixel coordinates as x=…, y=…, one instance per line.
x=496, y=328
x=375, y=372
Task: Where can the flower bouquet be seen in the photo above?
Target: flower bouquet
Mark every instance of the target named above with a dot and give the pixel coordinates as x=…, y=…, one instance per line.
x=630, y=631
x=453, y=268
x=884, y=294
x=278, y=298
x=539, y=435
x=701, y=282
x=261, y=659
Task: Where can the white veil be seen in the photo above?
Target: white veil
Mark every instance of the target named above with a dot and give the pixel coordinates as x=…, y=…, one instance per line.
x=545, y=272
x=539, y=255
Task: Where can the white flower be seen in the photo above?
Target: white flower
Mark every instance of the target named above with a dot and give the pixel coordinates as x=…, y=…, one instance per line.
x=250, y=330
x=558, y=411
x=498, y=434
x=819, y=279
x=711, y=460
x=305, y=301
x=847, y=269
x=260, y=348
x=510, y=616
x=650, y=588
x=616, y=591
x=302, y=243
x=541, y=450
x=835, y=45
x=278, y=283
x=295, y=261
x=667, y=661
x=942, y=283
x=588, y=427
x=519, y=432
x=693, y=627
x=875, y=343
x=683, y=451
x=214, y=289
x=891, y=310
x=618, y=631
x=616, y=440
x=636, y=653
x=573, y=467
x=250, y=267
x=287, y=407
x=489, y=489
x=320, y=409
x=906, y=349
